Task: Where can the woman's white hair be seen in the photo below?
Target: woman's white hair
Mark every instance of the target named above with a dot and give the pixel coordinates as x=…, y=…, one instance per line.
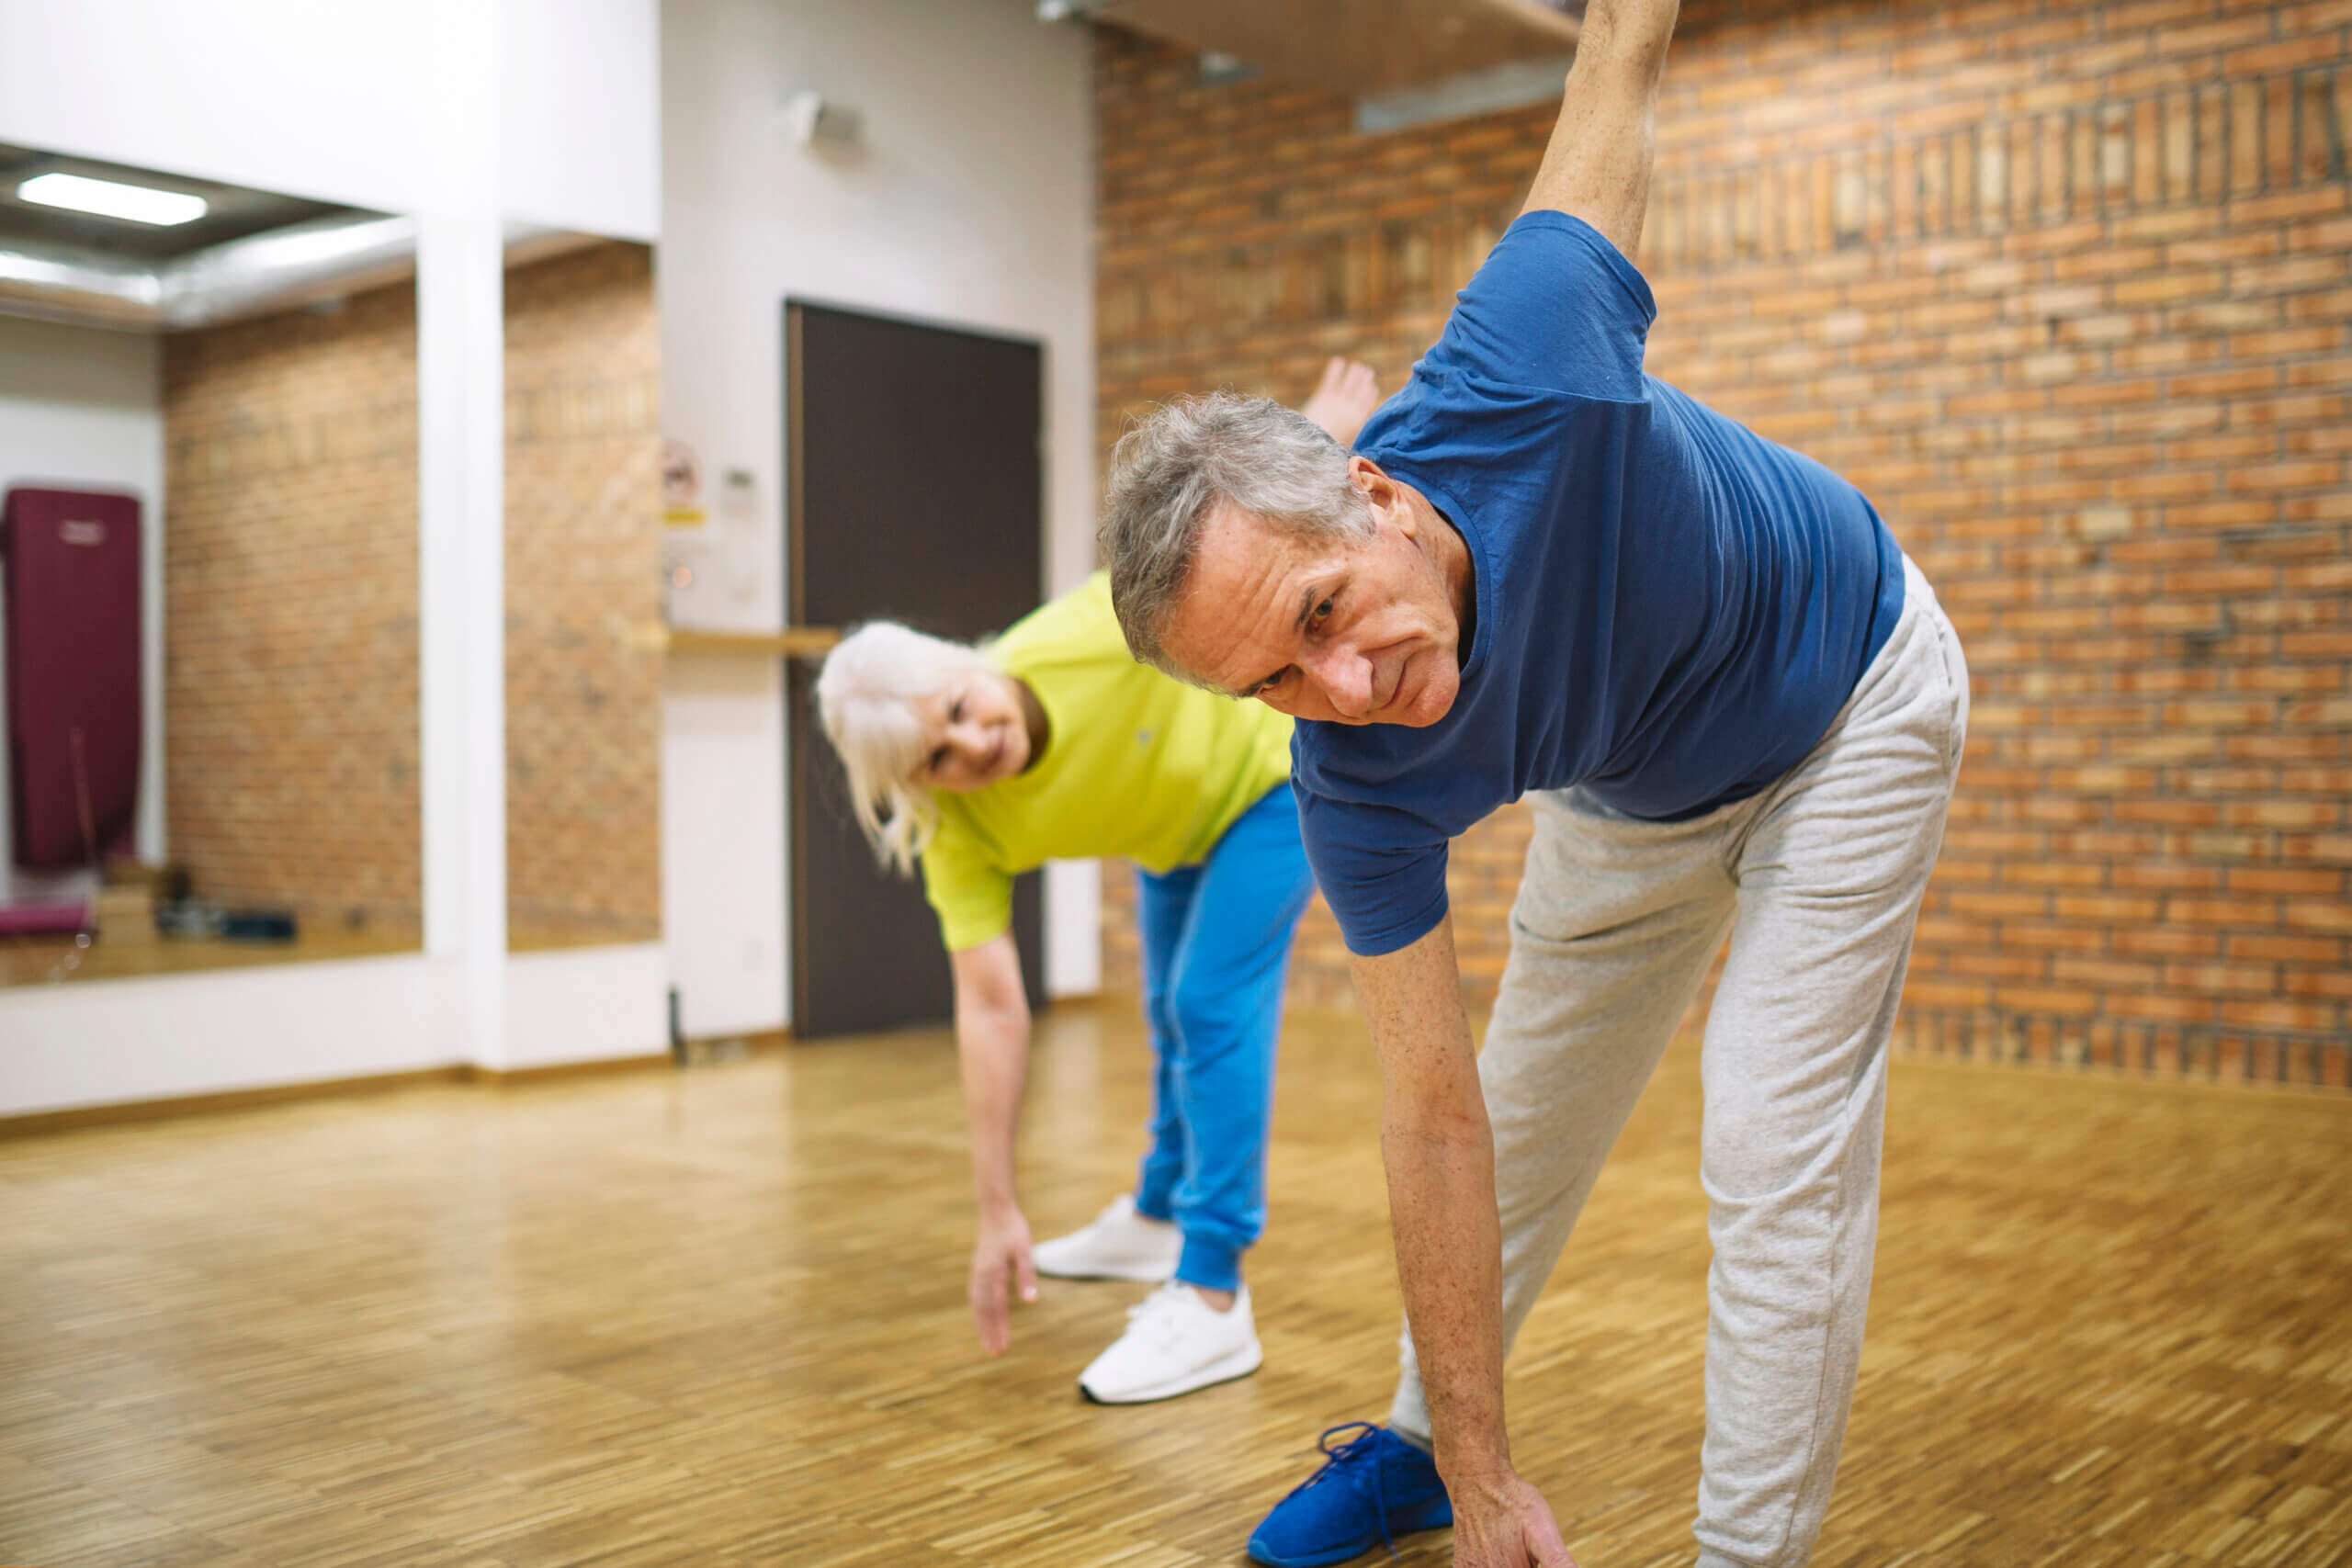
x=866, y=694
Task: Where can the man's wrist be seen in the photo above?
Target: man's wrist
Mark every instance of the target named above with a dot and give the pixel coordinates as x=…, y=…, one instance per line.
x=1489, y=1477
x=1469, y=1459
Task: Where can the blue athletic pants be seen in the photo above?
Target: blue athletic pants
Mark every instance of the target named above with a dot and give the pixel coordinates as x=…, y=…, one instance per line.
x=1215, y=940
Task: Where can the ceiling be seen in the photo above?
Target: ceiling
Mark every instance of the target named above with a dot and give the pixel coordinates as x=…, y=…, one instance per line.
x=1360, y=49
x=236, y=211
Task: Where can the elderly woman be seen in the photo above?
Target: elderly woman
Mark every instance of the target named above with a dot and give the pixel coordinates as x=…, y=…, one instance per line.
x=1051, y=742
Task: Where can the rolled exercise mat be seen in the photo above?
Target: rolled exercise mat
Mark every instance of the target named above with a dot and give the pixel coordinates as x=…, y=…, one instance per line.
x=43, y=920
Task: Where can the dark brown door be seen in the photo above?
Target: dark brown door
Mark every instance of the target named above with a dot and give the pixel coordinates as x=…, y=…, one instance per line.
x=915, y=494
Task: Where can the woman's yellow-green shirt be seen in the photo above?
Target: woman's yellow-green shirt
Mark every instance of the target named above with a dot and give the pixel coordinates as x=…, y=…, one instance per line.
x=1136, y=763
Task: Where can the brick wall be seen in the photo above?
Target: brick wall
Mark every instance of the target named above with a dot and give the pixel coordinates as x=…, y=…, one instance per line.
x=584, y=560
x=2065, y=289
x=291, y=632
x=290, y=581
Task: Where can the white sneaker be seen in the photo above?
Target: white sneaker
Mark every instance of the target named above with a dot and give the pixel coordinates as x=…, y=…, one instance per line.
x=1175, y=1343
x=1117, y=1243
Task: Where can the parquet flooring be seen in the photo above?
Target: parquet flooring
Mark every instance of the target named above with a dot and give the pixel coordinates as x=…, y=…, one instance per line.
x=716, y=1317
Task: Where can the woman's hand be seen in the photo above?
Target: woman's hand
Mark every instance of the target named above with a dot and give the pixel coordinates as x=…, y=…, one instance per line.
x=992, y=1052
x=1000, y=1260
x=1344, y=399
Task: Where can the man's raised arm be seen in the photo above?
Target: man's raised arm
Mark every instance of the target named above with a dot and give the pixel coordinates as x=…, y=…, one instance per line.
x=1596, y=166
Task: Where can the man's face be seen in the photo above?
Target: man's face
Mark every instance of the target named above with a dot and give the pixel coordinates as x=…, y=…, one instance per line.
x=1348, y=630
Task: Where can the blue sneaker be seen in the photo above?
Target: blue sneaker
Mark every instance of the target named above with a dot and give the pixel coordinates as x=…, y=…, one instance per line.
x=1372, y=1489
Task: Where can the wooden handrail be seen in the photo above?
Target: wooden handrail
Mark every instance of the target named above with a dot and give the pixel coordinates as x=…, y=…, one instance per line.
x=791, y=642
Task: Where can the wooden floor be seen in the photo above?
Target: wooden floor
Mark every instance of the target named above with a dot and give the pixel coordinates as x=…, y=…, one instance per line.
x=715, y=1317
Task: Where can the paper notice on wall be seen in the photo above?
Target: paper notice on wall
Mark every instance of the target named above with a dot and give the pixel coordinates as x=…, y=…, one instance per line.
x=680, y=486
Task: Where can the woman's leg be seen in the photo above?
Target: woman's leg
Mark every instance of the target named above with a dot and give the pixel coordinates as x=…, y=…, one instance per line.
x=1225, y=1009
x=1162, y=904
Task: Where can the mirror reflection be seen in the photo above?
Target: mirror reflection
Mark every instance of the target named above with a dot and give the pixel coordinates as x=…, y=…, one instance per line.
x=207, y=457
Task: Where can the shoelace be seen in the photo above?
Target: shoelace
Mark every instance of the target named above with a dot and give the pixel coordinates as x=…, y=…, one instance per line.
x=1347, y=1453
x=1161, y=1308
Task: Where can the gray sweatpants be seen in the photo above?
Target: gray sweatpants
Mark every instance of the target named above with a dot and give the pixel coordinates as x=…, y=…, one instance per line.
x=1818, y=879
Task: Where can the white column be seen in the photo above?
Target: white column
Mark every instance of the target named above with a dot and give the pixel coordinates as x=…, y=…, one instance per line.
x=1073, y=928
x=461, y=379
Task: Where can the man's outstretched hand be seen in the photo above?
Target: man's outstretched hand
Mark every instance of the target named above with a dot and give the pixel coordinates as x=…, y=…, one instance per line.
x=1501, y=1521
x=1343, y=400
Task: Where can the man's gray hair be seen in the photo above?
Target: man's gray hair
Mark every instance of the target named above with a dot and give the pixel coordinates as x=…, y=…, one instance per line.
x=1168, y=473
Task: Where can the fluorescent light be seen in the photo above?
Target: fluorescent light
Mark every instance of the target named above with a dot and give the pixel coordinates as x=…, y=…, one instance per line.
x=110, y=198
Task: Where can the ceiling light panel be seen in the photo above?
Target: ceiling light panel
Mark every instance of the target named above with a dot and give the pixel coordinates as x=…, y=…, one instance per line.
x=111, y=199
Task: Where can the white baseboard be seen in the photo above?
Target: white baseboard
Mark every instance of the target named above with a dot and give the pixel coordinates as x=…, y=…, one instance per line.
x=167, y=1036
x=172, y=1036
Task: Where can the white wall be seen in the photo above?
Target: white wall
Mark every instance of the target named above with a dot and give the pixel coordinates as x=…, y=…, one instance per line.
x=338, y=99
x=580, y=111
x=166, y=1035
x=82, y=409
x=314, y=97
x=971, y=203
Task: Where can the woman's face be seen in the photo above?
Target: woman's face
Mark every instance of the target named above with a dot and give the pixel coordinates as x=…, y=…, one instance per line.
x=973, y=731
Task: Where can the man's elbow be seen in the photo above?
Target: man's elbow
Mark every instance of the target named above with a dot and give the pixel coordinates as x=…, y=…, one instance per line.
x=1628, y=35
x=1412, y=1122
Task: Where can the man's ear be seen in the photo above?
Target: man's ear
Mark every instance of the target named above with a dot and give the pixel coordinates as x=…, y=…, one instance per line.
x=1381, y=493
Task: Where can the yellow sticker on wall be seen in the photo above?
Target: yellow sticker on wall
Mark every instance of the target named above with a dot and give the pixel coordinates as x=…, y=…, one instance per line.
x=680, y=486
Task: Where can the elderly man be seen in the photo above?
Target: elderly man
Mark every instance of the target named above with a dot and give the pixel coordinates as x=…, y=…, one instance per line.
x=1737, y=707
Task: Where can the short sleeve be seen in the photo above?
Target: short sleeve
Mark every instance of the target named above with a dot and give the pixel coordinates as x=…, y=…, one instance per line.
x=1382, y=871
x=1554, y=306
x=972, y=896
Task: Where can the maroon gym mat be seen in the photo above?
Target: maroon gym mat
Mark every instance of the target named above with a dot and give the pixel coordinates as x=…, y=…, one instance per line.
x=44, y=920
x=72, y=561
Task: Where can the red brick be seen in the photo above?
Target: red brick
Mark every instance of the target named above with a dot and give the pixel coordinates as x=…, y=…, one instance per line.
x=2120, y=972
x=2324, y=950
x=2108, y=909
x=2321, y=983
x=2045, y=999
x=2322, y=915
x=2243, y=979
x=2284, y=1015
x=2168, y=286
x=2165, y=1006
x=2168, y=942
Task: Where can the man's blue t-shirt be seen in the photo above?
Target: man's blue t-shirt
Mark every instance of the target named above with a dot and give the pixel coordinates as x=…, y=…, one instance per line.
x=1671, y=609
